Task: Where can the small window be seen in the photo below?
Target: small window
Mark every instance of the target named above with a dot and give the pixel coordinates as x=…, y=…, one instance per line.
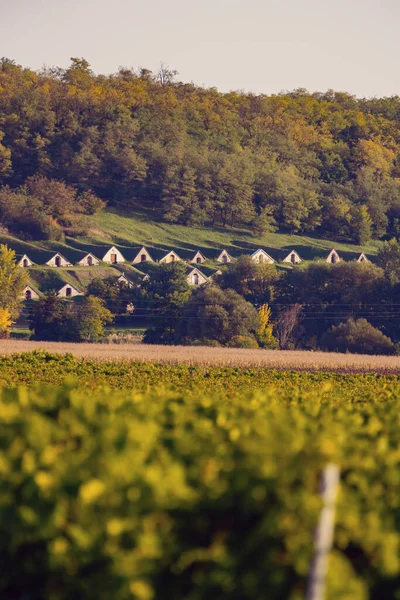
x=224, y=258
x=172, y=258
x=113, y=259
x=198, y=260
x=260, y=258
x=334, y=258
x=196, y=279
x=68, y=292
x=89, y=261
x=58, y=261
x=28, y=295
x=143, y=257
x=25, y=263
x=293, y=258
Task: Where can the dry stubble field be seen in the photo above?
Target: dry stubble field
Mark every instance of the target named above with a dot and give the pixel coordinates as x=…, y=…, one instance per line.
x=233, y=357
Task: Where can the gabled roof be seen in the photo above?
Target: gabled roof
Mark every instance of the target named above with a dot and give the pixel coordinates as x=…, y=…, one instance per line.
x=124, y=278
x=87, y=256
x=69, y=285
x=198, y=254
x=363, y=258
x=170, y=253
x=331, y=254
x=194, y=270
x=113, y=250
x=32, y=289
x=224, y=253
x=25, y=257
x=288, y=257
x=61, y=256
x=143, y=250
x=263, y=253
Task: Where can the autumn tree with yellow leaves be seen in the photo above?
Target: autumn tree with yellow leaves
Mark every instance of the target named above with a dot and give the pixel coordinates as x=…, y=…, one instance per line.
x=13, y=280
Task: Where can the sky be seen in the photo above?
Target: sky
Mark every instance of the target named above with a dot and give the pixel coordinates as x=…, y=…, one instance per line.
x=260, y=46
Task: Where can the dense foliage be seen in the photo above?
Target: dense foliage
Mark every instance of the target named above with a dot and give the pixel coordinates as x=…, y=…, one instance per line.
x=357, y=336
x=12, y=283
x=182, y=494
x=297, y=161
x=45, y=208
x=54, y=319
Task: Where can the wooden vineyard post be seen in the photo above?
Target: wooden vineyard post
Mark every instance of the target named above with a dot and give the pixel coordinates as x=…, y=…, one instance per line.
x=323, y=536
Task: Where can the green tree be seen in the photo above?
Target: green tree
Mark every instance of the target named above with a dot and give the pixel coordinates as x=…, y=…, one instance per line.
x=256, y=282
x=389, y=259
x=92, y=316
x=115, y=295
x=361, y=225
x=53, y=319
x=162, y=298
x=13, y=280
x=357, y=336
x=219, y=315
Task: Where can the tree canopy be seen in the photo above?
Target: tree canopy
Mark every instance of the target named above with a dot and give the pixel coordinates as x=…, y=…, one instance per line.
x=301, y=162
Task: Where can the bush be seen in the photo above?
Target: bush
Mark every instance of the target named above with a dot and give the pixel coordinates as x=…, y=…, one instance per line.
x=242, y=341
x=359, y=337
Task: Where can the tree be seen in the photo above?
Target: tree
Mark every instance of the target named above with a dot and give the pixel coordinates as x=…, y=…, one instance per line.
x=5, y=322
x=265, y=336
x=53, y=319
x=92, y=316
x=287, y=326
x=389, y=259
x=219, y=315
x=357, y=336
x=329, y=293
x=115, y=295
x=256, y=282
x=162, y=298
x=361, y=225
x=13, y=280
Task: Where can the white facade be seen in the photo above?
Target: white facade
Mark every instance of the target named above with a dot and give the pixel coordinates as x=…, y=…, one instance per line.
x=170, y=257
x=261, y=257
x=68, y=291
x=89, y=260
x=113, y=256
x=25, y=262
x=293, y=258
x=196, y=277
x=142, y=256
x=363, y=258
x=29, y=293
x=125, y=280
x=58, y=260
x=224, y=257
x=198, y=258
x=333, y=257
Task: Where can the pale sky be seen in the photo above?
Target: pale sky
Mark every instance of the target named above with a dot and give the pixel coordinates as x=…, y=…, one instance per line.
x=262, y=46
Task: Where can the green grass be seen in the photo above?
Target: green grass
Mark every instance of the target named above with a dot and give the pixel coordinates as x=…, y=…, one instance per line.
x=131, y=232
x=137, y=230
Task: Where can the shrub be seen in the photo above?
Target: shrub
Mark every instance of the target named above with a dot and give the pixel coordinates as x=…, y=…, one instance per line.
x=242, y=341
x=357, y=336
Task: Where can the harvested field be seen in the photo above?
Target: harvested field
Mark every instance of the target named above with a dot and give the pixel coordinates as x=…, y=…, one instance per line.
x=233, y=357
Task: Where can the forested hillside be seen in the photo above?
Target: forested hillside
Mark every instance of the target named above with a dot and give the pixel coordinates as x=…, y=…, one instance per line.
x=302, y=163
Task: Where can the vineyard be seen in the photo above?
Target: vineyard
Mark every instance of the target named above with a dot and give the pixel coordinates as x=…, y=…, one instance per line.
x=145, y=481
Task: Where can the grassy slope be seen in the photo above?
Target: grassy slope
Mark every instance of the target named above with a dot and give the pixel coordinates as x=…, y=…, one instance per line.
x=136, y=230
